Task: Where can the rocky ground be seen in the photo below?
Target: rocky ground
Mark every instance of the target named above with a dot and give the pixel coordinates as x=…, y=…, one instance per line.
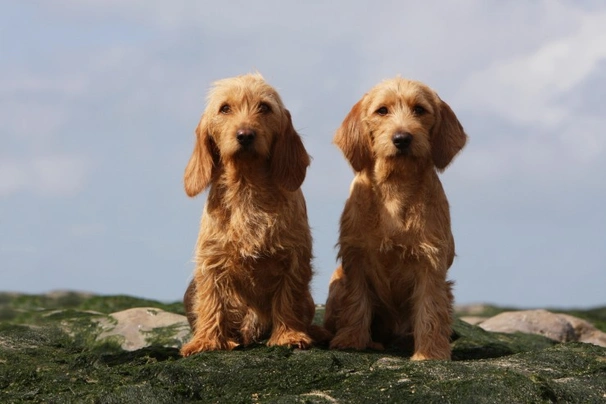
x=72, y=347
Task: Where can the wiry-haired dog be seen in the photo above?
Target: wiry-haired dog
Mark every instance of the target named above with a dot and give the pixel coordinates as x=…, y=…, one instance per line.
x=395, y=242
x=254, y=250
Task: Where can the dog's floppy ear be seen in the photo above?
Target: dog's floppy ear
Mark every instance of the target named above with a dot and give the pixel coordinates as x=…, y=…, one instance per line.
x=199, y=169
x=447, y=137
x=289, y=159
x=353, y=141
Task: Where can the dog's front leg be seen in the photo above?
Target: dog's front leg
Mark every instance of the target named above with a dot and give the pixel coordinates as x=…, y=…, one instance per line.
x=211, y=330
x=290, y=322
x=353, y=307
x=432, y=302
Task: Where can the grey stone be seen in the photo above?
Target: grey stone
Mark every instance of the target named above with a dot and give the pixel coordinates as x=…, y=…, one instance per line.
x=540, y=322
x=144, y=326
x=585, y=331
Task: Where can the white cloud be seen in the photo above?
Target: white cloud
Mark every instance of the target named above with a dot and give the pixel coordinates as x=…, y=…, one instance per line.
x=137, y=75
x=12, y=177
x=14, y=248
x=21, y=83
x=547, y=142
x=524, y=89
x=225, y=17
x=31, y=120
x=86, y=230
x=35, y=105
x=56, y=175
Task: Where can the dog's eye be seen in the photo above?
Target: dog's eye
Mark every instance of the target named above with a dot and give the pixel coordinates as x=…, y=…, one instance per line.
x=225, y=109
x=382, y=111
x=264, y=108
x=418, y=110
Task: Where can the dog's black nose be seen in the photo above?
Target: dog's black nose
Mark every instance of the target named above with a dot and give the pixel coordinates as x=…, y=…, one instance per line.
x=402, y=140
x=245, y=136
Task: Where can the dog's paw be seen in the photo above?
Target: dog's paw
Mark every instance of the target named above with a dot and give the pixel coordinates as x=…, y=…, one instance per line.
x=419, y=356
x=296, y=339
x=201, y=345
x=431, y=347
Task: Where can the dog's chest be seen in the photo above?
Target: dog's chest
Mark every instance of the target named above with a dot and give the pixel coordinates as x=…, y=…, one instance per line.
x=251, y=228
x=398, y=225
x=244, y=225
x=402, y=237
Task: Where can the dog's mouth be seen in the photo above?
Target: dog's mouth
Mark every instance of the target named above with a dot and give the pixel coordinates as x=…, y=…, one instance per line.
x=247, y=148
x=251, y=153
x=404, y=152
x=247, y=152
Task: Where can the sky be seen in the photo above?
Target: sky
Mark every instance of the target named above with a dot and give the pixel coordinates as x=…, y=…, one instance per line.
x=99, y=100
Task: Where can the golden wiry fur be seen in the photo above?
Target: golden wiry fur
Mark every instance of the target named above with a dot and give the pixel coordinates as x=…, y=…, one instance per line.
x=254, y=250
x=395, y=242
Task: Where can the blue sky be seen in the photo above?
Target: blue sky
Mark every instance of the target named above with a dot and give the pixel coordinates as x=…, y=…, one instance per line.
x=99, y=100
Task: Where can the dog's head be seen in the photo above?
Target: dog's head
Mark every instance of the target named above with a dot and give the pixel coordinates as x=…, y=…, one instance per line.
x=400, y=118
x=245, y=119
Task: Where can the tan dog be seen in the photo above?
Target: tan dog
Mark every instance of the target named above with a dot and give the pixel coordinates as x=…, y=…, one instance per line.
x=254, y=249
x=395, y=243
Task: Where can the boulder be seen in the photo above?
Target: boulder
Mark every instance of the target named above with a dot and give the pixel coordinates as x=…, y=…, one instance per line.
x=140, y=327
x=584, y=331
x=541, y=322
x=558, y=327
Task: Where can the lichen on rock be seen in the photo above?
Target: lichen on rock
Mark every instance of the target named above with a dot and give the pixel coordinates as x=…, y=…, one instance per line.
x=50, y=353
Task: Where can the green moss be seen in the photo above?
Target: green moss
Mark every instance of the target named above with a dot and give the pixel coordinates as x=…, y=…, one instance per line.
x=15, y=303
x=112, y=304
x=57, y=359
x=319, y=316
x=165, y=336
x=471, y=342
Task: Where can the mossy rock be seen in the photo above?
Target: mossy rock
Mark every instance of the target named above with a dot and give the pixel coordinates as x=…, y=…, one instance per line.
x=50, y=354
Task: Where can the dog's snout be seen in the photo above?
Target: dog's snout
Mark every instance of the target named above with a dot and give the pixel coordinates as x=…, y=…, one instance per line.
x=402, y=140
x=245, y=136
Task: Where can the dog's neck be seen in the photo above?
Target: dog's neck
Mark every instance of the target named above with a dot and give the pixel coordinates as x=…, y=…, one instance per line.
x=400, y=186
x=402, y=179
x=245, y=183
x=247, y=173
x=242, y=203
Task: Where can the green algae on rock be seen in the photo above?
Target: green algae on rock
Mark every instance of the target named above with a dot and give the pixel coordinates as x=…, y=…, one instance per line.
x=52, y=354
